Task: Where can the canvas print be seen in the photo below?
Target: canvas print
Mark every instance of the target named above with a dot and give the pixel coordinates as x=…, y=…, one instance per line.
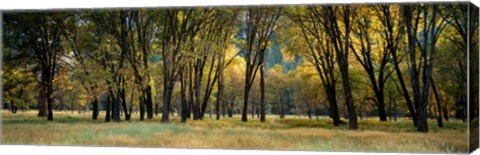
x=380, y=77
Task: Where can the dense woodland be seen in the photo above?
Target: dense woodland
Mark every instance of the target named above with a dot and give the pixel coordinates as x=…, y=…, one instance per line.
x=346, y=62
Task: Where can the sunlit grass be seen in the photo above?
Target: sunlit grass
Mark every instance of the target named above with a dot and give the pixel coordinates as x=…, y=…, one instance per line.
x=292, y=133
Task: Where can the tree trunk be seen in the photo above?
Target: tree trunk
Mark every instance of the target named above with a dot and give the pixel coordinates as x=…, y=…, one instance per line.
x=262, y=90
x=42, y=104
x=148, y=101
x=122, y=100
x=342, y=59
x=219, y=97
x=95, y=108
x=183, y=99
x=309, y=113
x=420, y=107
x=405, y=94
x=115, y=107
x=156, y=108
x=439, y=107
x=197, y=88
x=230, y=107
x=191, y=106
x=223, y=108
x=332, y=100
x=379, y=95
x=167, y=96
x=142, y=107
x=10, y=107
x=245, y=100
x=445, y=112
x=352, y=116
x=50, y=101
x=220, y=88
x=109, y=104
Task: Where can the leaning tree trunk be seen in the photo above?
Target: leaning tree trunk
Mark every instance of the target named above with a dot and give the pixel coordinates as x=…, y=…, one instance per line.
x=439, y=107
x=411, y=108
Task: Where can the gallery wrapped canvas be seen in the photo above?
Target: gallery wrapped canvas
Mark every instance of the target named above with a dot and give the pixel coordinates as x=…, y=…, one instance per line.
x=370, y=77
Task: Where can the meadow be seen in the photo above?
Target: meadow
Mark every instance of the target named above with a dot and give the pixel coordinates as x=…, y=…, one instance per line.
x=291, y=133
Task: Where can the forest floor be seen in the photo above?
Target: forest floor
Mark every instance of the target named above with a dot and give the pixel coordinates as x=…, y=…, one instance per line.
x=291, y=133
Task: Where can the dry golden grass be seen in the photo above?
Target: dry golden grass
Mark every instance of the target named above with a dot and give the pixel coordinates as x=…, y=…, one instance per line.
x=230, y=133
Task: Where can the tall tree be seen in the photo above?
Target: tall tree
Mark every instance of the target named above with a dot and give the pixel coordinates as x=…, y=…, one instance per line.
x=141, y=40
x=79, y=42
x=260, y=24
x=321, y=53
x=420, y=65
x=392, y=33
x=464, y=20
x=340, y=38
x=374, y=63
x=180, y=26
x=39, y=35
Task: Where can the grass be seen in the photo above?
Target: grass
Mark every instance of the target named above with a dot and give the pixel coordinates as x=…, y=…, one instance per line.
x=291, y=133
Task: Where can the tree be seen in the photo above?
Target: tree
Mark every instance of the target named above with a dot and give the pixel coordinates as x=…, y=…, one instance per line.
x=180, y=26
x=374, y=60
x=18, y=81
x=144, y=28
x=260, y=23
x=39, y=35
x=321, y=53
x=392, y=34
x=340, y=39
x=464, y=21
x=80, y=42
x=277, y=83
x=114, y=28
x=432, y=28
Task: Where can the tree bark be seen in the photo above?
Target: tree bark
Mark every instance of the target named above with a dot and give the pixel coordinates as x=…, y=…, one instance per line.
x=109, y=104
x=245, y=99
x=439, y=107
x=148, y=101
x=262, y=90
x=142, y=108
x=183, y=99
x=95, y=108
x=42, y=104
x=342, y=58
x=167, y=95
